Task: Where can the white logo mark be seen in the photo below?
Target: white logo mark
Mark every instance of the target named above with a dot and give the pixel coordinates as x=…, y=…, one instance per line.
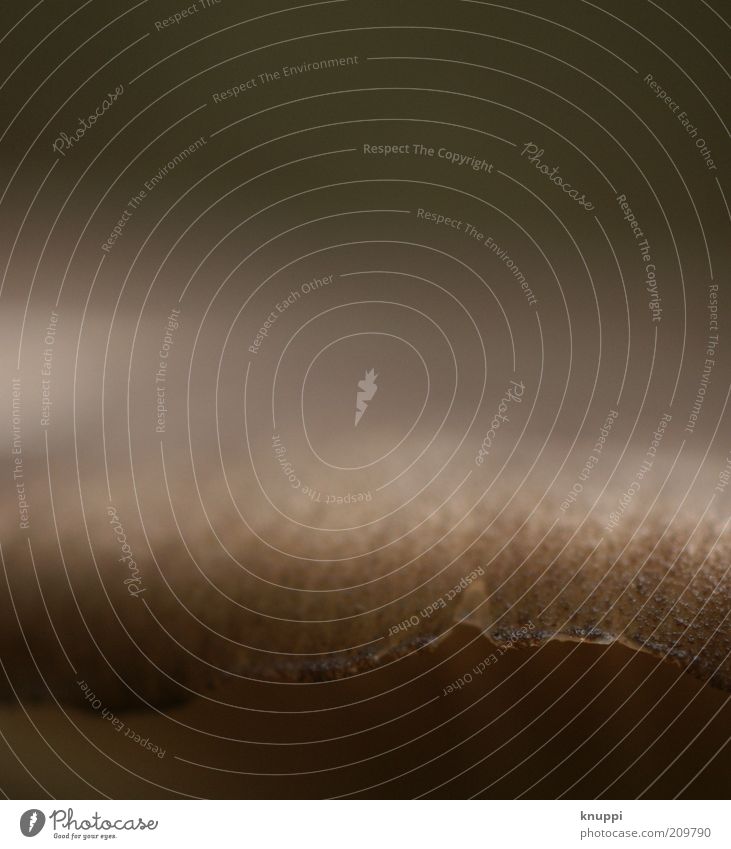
x=367, y=388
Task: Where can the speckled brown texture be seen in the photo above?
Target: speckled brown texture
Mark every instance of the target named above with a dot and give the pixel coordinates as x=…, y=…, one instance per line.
x=660, y=586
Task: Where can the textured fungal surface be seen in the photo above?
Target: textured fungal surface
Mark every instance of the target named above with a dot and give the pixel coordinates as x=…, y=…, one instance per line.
x=365, y=381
